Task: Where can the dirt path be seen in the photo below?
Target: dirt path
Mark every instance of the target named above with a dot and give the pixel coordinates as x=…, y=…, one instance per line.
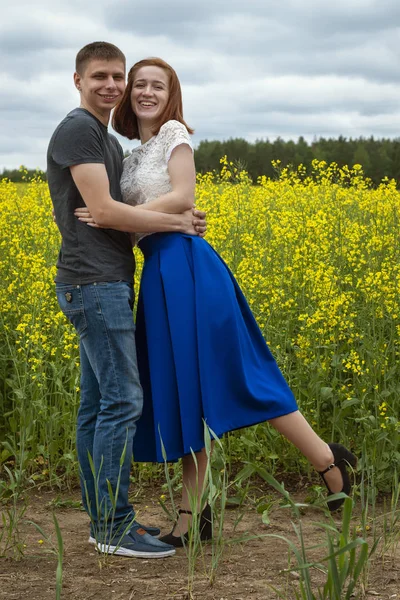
x=247, y=569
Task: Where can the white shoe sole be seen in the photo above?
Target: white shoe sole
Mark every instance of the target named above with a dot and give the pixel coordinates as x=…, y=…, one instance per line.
x=117, y=551
x=92, y=540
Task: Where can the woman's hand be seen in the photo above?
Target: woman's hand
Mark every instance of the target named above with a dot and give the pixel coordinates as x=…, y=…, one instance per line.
x=84, y=215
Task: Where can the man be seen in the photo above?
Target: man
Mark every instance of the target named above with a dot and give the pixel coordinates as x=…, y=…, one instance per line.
x=95, y=291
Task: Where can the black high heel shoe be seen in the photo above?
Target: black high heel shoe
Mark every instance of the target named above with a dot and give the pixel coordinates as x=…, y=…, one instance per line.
x=205, y=527
x=341, y=456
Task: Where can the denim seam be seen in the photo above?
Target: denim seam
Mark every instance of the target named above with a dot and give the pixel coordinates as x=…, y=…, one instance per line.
x=108, y=470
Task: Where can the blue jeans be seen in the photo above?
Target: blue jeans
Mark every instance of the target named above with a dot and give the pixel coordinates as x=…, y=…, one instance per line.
x=111, y=395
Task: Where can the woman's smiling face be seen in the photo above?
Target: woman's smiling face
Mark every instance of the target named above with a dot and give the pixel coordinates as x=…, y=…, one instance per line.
x=150, y=93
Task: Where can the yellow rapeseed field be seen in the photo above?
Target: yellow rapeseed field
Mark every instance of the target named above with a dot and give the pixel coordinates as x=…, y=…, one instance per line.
x=318, y=259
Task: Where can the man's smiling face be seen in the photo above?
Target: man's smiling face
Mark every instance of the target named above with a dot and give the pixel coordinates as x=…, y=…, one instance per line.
x=101, y=84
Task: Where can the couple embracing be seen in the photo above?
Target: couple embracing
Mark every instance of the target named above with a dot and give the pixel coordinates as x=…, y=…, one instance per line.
x=196, y=354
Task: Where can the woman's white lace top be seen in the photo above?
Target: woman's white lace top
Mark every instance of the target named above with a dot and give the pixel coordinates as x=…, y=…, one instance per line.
x=145, y=172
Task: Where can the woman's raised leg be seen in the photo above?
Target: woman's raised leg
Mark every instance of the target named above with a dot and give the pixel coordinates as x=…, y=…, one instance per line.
x=297, y=430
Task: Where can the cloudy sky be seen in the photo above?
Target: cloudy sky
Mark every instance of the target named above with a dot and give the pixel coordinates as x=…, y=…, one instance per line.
x=249, y=68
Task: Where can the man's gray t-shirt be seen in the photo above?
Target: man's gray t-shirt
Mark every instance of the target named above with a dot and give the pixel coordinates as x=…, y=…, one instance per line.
x=87, y=254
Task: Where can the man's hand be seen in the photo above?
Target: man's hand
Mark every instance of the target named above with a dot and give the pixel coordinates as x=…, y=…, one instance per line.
x=199, y=222
x=194, y=222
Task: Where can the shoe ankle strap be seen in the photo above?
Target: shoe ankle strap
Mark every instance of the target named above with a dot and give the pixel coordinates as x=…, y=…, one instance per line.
x=327, y=469
x=183, y=511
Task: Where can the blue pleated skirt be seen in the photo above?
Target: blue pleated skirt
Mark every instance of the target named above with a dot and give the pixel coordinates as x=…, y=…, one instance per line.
x=200, y=352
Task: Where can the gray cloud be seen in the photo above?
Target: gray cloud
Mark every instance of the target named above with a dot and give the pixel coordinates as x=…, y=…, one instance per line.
x=255, y=69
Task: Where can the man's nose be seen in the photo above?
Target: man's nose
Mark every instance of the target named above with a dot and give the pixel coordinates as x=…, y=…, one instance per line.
x=110, y=83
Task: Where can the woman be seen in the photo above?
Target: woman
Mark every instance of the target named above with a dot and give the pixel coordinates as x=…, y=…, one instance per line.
x=201, y=354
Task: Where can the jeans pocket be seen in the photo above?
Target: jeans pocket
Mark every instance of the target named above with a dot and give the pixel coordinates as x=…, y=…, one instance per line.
x=70, y=300
x=131, y=299
x=124, y=289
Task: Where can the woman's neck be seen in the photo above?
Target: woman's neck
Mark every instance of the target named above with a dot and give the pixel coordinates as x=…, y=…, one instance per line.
x=145, y=132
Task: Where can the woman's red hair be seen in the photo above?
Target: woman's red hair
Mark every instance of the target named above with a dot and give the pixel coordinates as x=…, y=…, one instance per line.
x=124, y=120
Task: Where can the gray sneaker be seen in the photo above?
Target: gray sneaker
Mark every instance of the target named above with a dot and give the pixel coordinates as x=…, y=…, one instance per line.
x=154, y=531
x=136, y=543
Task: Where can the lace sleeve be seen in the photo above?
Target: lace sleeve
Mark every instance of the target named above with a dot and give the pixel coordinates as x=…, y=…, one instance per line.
x=174, y=134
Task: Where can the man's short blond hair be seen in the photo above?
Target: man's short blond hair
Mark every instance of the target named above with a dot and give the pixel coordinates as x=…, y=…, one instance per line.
x=97, y=51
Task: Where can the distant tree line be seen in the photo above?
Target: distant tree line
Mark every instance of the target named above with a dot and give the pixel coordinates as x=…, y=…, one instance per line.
x=22, y=175
x=379, y=157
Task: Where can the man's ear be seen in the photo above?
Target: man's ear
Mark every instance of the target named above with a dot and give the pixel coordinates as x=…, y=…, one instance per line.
x=77, y=81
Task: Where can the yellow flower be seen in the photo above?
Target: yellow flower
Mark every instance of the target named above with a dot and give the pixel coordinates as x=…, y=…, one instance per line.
x=315, y=252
